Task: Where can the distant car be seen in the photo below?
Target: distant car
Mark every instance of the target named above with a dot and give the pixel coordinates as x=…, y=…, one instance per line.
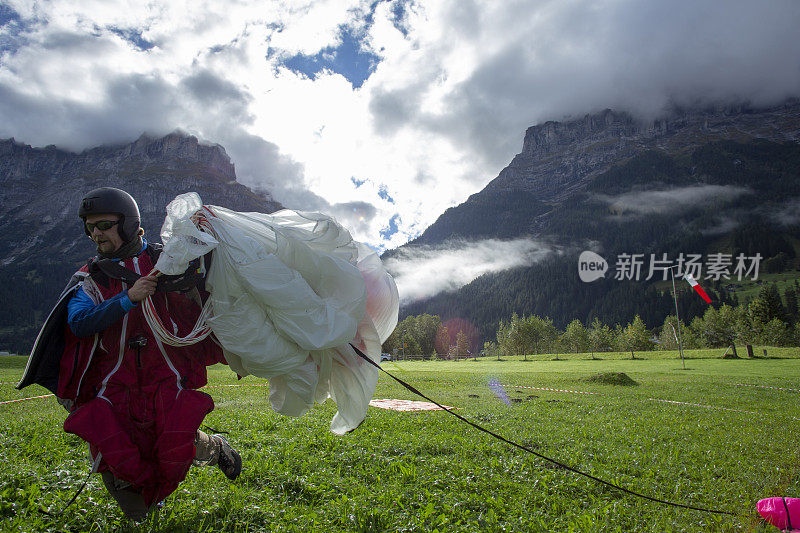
x=386, y=357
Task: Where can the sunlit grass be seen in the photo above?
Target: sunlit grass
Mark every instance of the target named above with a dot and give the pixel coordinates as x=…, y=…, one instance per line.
x=426, y=471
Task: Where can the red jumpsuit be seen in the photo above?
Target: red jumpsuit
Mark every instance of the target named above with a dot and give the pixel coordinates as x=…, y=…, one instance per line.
x=135, y=403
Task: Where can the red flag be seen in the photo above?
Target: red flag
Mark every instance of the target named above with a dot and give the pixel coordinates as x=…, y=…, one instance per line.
x=697, y=288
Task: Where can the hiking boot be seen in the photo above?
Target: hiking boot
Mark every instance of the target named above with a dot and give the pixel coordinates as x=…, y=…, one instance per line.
x=229, y=461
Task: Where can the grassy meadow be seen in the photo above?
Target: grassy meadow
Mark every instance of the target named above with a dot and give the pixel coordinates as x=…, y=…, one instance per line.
x=427, y=471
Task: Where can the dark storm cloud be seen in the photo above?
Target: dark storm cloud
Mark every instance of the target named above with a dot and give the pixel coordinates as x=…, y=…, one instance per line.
x=562, y=59
x=207, y=87
x=393, y=109
x=134, y=104
x=259, y=163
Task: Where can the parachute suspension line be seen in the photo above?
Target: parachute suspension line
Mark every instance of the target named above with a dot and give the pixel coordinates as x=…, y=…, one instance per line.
x=537, y=454
x=201, y=330
x=201, y=220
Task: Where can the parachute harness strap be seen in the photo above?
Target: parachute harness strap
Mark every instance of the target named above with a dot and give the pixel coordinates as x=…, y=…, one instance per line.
x=537, y=454
x=201, y=330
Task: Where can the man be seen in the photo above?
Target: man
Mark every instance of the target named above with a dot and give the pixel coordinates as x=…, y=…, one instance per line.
x=132, y=398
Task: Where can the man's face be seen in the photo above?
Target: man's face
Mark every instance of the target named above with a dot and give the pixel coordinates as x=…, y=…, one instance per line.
x=107, y=241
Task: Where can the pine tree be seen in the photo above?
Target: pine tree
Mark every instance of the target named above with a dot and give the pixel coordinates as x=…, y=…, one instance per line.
x=772, y=299
x=790, y=297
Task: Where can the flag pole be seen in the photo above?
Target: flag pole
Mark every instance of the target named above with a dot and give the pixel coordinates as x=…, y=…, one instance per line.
x=677, y=318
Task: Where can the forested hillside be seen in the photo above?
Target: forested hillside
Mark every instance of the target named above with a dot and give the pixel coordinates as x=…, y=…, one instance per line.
x=723, y=197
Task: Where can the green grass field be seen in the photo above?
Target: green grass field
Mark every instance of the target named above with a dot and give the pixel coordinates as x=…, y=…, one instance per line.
x=427, y=471
x=748, y=289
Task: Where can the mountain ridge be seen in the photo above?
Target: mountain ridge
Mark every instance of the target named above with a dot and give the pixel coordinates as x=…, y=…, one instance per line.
x=175, y=145
x=715, y=180
x=569, y=153
x=560, y=159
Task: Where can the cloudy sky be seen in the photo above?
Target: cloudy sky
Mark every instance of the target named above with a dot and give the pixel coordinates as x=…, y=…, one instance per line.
x=383, y=113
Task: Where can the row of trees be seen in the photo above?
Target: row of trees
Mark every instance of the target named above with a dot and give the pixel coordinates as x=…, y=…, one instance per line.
x=768, y=320
x=535, y=335
x=426, y=335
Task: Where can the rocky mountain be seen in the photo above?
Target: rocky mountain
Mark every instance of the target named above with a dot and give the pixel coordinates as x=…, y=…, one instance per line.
x=561, y=159
x=722, y=180
x=558, y=159
x=40, y=190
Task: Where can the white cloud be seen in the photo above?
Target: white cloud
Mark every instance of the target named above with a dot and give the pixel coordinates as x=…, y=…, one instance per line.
x=421, y=272
x=722, y=225
x=445, y=109
x=787, y=214
x=675, y=199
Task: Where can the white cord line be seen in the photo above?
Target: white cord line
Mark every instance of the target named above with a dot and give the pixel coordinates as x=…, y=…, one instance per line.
x=201, y=330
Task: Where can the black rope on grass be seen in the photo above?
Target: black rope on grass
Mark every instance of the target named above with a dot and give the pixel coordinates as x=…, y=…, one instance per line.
x=75, y=497
x=215, y=431
x=537, y=454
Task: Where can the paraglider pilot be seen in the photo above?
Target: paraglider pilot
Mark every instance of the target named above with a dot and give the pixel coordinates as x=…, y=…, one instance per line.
x=132, y=398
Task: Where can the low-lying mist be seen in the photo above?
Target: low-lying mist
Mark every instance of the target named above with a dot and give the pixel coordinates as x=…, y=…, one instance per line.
x=422, y=272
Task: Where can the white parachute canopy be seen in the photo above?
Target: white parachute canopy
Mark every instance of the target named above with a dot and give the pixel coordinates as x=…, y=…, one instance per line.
x=290, y=291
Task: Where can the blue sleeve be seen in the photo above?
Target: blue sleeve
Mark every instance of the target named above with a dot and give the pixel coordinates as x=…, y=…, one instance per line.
x=85, y=318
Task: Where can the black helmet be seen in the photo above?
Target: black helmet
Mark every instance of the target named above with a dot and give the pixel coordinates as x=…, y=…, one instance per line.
x=111, y=200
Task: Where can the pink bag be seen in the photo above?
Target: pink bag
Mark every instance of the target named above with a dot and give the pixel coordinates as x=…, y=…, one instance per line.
x=783, y=513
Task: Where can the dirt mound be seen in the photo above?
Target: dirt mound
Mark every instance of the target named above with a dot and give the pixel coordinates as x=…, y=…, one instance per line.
x=612, y=378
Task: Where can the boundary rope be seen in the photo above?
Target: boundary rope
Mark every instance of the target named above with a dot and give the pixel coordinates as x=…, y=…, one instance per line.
x=26, y=398
x=765, y=387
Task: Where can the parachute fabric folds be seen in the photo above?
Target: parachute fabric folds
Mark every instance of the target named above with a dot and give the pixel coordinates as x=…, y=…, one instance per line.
x=383, y=300
x=289, y=292
x=182, y=241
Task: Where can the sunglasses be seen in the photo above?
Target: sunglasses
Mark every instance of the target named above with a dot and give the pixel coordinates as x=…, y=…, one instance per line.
x=102, y=225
